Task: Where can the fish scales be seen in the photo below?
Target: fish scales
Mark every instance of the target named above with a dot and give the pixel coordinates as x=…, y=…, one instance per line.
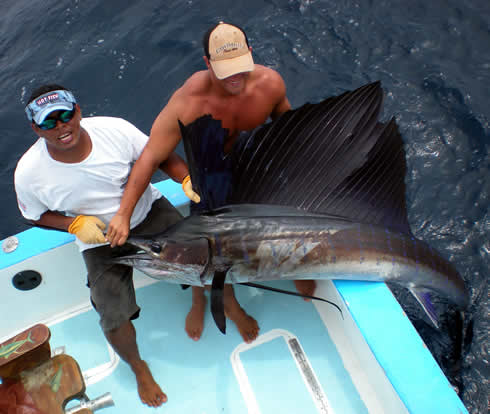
x=354, y=249
x=256, y=243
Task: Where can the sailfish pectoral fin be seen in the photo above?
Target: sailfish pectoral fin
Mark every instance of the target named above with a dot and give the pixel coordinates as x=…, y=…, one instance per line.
x=424, y=298
x=217, y=301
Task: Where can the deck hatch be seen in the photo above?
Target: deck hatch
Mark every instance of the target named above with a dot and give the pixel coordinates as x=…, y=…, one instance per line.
x=27, y=280
x=253, y=390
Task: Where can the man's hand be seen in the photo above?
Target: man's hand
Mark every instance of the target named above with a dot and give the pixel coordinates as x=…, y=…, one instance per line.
x=88, y=229
x=118, y=230
x=189, y=192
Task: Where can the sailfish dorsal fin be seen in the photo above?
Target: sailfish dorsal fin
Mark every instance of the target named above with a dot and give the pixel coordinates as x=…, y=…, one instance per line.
x=333, y=157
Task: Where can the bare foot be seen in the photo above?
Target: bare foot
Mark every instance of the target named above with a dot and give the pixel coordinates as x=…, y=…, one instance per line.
x=149, y=391
x=246, y=325
x=194, y=322
x=305, y=287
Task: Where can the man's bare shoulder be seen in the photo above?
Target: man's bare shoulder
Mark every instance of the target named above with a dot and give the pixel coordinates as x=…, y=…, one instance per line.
x=186, y=101
x=268, y=80
x=195, y=85
x=265, y=74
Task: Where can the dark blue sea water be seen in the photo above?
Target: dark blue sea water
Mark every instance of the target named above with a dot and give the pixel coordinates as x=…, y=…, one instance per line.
x=125, y=58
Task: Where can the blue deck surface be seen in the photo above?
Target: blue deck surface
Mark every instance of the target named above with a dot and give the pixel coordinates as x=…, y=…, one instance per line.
x=393, y=340
x=198, y=376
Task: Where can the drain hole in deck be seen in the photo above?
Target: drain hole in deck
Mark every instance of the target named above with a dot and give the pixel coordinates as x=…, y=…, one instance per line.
x=27, y=280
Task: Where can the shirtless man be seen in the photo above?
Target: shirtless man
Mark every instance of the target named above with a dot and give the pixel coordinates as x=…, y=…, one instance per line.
x=242, y=96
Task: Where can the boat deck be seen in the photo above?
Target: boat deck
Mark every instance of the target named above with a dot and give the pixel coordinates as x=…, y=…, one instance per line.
x=293, y=366
x=308, y=358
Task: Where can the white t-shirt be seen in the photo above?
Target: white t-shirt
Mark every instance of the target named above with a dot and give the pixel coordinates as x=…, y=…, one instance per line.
x=93, y=187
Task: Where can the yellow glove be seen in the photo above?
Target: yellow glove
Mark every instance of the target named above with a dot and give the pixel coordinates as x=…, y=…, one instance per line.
x=189, y=192
x=88, y=229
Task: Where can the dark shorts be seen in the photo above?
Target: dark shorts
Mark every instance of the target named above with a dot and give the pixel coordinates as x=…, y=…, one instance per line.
x=111, y=285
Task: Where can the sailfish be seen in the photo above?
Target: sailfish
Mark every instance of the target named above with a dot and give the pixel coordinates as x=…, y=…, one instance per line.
x=318, y=193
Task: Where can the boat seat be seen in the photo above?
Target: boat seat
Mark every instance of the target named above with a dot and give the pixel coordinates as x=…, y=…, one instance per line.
x=33, y=380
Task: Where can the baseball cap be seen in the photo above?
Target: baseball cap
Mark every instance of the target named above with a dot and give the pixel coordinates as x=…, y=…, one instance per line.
x=38, y=109
x=228, y=51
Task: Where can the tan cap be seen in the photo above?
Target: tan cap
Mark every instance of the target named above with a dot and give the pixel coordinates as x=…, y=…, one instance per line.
x=228, y=51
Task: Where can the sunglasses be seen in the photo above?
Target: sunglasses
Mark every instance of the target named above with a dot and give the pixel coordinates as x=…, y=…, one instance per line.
x=50, y=123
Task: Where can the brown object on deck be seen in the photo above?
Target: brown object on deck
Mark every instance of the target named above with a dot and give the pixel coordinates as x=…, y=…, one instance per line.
x=15, y=399
x=32, y=380
x=54, y=383
x=24, y=351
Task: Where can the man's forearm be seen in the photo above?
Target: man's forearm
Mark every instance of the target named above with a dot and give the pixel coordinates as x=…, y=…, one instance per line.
x=175, y=167
x=54, y=220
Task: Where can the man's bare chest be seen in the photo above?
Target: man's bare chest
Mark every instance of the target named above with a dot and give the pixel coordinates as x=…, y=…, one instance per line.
x=238, y=117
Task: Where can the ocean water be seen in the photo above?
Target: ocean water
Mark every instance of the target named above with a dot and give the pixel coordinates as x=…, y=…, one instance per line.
x=125, y=58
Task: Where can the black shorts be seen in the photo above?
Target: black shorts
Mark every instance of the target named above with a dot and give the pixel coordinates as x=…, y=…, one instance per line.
x=111, y=285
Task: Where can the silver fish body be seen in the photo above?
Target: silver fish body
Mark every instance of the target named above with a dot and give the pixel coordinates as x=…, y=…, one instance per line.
x=253, y=243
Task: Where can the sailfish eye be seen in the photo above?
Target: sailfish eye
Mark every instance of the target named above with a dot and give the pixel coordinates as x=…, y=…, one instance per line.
x=156, y=248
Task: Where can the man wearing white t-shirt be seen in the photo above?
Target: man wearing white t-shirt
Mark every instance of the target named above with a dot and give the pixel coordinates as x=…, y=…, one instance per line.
x=73, y=178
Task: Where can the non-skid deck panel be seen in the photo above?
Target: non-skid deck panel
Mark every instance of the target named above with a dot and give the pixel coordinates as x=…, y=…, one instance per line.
x=198, y=377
